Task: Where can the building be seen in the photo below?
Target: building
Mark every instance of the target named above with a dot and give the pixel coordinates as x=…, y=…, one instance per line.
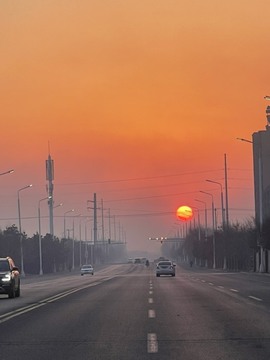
x=261, y=168
x=261, y=163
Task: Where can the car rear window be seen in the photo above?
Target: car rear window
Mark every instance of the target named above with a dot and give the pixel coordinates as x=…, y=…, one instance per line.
x=165, y=263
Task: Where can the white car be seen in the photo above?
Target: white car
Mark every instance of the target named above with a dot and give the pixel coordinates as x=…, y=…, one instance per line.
x=165, y=267
x=87, y=269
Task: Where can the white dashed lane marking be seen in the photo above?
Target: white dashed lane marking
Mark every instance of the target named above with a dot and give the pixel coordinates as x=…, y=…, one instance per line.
x=152, y=343
x=232, y=290
x=255, y=298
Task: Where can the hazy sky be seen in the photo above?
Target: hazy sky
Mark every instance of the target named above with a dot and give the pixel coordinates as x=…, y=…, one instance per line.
x=139, y=100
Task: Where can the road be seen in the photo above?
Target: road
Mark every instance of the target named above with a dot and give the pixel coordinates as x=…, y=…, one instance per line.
x=125, y=312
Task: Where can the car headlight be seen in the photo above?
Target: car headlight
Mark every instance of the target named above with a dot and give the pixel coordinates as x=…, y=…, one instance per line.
x=6, y=278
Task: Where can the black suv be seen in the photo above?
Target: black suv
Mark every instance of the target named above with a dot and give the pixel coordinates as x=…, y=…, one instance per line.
x=9, y=278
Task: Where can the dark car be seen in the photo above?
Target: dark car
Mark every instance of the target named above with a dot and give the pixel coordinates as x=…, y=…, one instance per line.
x=9, y=278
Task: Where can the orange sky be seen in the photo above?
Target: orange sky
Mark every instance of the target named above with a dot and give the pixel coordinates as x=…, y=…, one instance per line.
x=131, y=90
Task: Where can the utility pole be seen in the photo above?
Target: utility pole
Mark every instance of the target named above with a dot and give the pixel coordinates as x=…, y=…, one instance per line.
x=110, y=232
x=50, y=178
x=226, y=191
x=102, y=221
x=95, y=222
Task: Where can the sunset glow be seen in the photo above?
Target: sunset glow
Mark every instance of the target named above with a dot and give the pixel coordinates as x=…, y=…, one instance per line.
x=138, y=100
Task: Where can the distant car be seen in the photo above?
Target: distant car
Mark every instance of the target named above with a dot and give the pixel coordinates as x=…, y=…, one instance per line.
x=165, y=267
x=9, y=278
x=137, y=261
x=130, y=261
x=87, y=269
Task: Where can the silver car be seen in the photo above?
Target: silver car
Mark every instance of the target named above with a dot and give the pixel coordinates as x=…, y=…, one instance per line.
x=165, y=267
x=87, y=269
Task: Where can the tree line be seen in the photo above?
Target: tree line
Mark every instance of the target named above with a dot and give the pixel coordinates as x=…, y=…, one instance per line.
x=57, y=254
x=235, y=247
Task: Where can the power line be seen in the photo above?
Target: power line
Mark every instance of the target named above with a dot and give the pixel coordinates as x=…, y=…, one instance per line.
x=139, y=178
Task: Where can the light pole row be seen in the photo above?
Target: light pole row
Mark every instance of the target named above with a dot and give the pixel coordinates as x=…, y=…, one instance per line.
x=20, y=226
x=213, y=215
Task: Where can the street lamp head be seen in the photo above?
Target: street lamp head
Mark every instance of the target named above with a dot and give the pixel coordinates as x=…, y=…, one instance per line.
x=61, y=204
x=25, y=187
x=69, y=211
x=207, y=193
x=7, y=172
x=214, y=182
x=245, y=140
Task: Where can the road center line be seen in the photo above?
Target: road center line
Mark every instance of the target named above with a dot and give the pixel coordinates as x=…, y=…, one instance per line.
x=151, y=314
x=152, y=343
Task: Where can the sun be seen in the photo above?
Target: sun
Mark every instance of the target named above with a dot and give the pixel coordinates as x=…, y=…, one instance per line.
x=184, y=213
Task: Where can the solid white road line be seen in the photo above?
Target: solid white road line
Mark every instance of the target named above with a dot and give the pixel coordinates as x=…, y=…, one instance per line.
x=152, y=344
x=7, y=316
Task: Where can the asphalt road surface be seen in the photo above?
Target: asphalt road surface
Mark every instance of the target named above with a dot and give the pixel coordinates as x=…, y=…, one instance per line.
x=126, y=312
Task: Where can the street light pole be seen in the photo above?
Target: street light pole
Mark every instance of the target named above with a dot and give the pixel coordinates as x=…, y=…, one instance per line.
x=224, y=228
x=39, y=236
x=73, y=242
x=221, y=201
x=199, y=229
x=67, y=212
x=20, y=225
x=213, y=226
x=205, y=222
x=205, y=216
